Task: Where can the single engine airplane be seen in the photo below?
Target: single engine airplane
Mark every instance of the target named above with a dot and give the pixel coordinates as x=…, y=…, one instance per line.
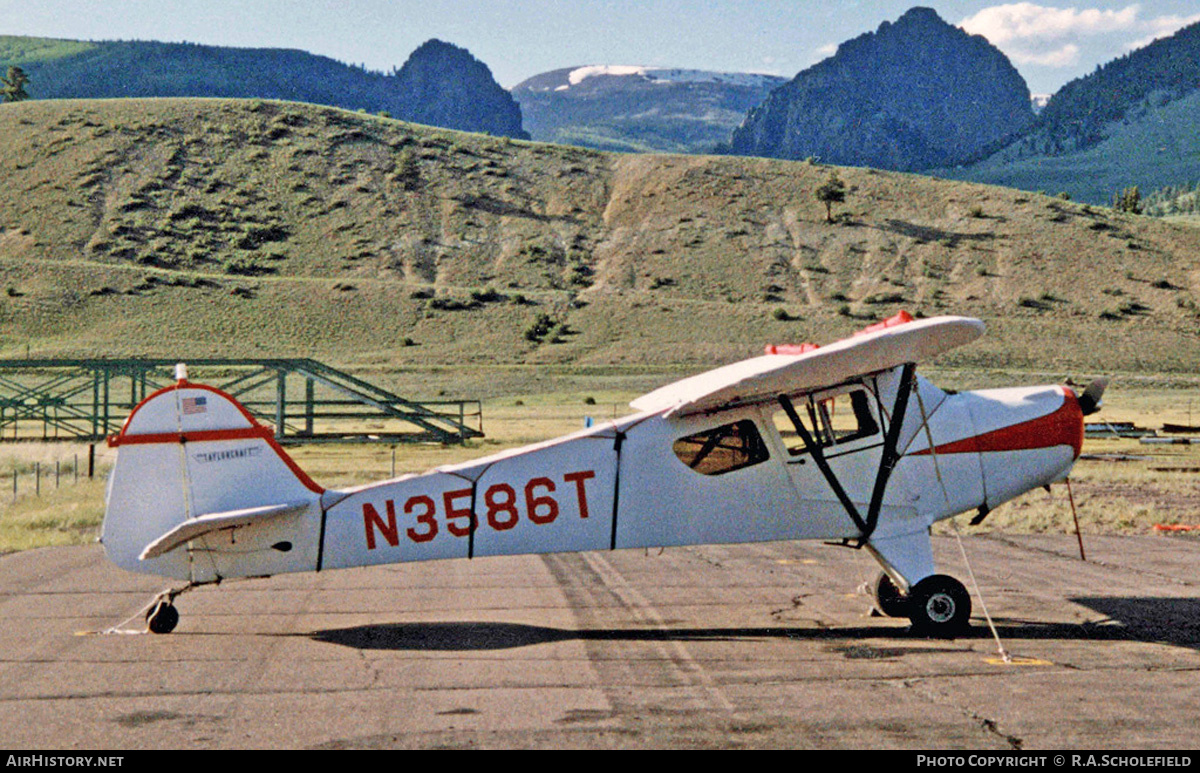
x=843, y=442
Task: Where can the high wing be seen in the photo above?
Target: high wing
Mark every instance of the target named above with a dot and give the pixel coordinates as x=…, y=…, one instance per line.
x=764, y=378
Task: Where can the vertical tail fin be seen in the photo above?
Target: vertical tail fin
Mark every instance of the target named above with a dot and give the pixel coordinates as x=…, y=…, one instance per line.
x=200, y=480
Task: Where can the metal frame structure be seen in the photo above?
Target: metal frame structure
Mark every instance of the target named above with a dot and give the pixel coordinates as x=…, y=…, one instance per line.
x=304, y=400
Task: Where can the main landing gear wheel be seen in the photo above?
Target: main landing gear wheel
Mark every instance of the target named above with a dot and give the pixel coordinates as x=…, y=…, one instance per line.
x=162, y=617
x=888, y=598
x=939, y=606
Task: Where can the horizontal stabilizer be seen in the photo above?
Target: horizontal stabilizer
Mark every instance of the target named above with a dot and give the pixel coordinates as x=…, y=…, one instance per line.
x=205, y=524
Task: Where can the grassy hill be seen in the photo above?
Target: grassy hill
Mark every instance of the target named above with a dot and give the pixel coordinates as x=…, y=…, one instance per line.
x=1083, y=112
x=61, y=69
x=1156, y=147
x=439, y=84
x=28, y=50
x=1130, y=122
x=186, y=228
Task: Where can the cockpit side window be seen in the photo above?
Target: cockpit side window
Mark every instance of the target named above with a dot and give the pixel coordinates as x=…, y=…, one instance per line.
x=722, y=449
x=829, y=420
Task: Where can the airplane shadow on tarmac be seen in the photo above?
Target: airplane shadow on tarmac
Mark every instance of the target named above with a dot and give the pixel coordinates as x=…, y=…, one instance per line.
x=1168, y=620
x=1163, y=620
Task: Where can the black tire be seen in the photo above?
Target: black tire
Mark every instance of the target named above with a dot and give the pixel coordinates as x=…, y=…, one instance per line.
x=889, y=599
x=162, y=618
x=939, y=606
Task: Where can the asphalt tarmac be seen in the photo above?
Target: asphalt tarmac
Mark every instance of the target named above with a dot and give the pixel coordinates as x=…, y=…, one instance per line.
x=753, y=646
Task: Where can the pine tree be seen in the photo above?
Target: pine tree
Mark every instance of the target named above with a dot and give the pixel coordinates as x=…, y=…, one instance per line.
x=14, y=85
x=832, y=192
x=1128, y=200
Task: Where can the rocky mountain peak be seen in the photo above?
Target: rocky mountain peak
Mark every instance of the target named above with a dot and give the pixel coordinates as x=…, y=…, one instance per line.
x=916, y=93
x=445, y=85
x=919, y=16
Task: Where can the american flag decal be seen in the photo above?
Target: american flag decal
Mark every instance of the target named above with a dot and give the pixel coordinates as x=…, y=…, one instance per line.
x=193, y=405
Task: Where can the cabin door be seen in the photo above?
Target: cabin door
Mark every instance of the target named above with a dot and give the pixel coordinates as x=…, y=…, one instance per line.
x=832, y=443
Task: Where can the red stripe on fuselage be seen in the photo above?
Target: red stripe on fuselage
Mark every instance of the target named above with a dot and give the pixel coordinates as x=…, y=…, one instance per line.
x=1063, y=427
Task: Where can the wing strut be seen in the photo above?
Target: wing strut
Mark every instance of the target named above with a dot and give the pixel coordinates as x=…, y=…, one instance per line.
x=823, y=465
x=887, y=463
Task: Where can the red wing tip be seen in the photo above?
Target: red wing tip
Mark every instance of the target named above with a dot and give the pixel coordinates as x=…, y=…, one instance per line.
x=803, y=348
x=901, y=318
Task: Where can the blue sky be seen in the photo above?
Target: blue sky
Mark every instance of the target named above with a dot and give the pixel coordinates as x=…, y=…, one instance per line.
x=1049, y=42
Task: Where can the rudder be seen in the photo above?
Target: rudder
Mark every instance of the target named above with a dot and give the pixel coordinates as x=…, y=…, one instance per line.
x=196, y=474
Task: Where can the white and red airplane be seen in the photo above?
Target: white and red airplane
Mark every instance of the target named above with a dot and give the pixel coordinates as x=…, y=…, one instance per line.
x=840, y=442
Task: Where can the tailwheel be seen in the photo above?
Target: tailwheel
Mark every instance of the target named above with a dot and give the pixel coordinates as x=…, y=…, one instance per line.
x=890, y=600
x=939, y=606
x=162, y=617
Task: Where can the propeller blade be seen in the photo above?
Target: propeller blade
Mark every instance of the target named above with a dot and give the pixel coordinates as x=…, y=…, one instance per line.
x=1090, y=401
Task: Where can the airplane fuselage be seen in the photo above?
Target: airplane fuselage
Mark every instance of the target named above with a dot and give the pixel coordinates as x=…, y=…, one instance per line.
x=641, y=482
x=841, y=443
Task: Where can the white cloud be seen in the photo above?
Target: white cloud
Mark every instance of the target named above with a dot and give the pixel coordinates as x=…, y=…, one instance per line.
x=1163, y=26
x=1059, y=37
x=1063, y=56
x=821, y=53
x=1169, y=25
x=1028, y=22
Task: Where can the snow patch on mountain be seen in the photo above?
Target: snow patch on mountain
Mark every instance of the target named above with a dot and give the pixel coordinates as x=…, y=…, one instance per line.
x=666, y=75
